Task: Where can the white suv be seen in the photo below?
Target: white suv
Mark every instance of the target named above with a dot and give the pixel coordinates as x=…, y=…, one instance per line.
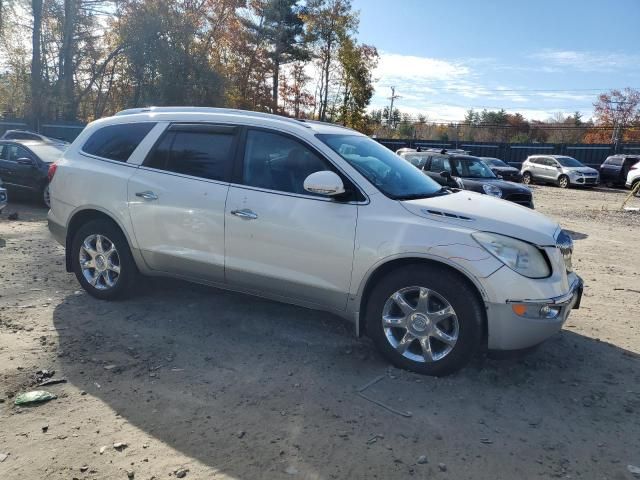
x=633, y=178
x=311, y=214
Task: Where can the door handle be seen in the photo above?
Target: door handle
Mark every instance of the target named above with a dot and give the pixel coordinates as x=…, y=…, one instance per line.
x=147, y=195
x=245, y=213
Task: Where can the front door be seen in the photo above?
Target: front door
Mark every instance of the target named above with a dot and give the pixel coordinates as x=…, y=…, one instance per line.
x=177, y=200
x=281, y=240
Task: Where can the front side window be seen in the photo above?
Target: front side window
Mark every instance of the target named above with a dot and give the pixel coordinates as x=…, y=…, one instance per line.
x=278, y=162
x=117, y=142
x=389, y=173
x=470, y=167
x=198, y=153
x=440, y=164
x=568, y=162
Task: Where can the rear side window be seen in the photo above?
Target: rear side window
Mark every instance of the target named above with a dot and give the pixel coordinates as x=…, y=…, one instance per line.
x=117, y=142
x=205, y=153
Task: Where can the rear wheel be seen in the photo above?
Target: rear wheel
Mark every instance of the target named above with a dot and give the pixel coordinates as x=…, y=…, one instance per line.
x=635, y=187
x=563, y=181
x=426, y=319
x=102, y=261
x=46, y=196
x=527, y=179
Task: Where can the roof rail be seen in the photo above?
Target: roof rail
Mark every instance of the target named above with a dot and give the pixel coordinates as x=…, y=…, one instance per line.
x=232, y=111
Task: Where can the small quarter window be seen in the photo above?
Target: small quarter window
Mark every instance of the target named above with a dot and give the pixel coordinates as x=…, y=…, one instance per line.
x=117, y=142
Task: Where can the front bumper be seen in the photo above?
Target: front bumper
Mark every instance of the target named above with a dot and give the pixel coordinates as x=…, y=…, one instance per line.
x=509, y=330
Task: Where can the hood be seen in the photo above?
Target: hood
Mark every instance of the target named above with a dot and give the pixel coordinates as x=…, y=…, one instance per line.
x=488, y=214
x=505, y=169
x=581, y=169
x=498, y=182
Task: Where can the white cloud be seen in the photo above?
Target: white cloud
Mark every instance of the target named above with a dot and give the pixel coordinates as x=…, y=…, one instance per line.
x=586, y=61
x=393, y=66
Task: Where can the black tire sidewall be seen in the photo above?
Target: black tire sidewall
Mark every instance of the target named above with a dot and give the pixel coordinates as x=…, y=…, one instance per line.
x=128, y=270
x=450, y=285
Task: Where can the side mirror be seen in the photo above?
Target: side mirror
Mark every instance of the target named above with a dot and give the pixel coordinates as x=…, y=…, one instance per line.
x=499, y=176
x=325, y=183
x=26, y=161
x=559, y=167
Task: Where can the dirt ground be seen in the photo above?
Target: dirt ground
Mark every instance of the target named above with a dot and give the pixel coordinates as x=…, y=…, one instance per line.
x=229, y=386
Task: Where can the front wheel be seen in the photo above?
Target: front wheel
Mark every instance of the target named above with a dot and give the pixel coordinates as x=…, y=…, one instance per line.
x=102, y=261
x=527, y=179
x=426, y=319
x=563, y=181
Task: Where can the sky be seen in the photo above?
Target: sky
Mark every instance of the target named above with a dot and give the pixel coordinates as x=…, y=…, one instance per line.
x=536, y=57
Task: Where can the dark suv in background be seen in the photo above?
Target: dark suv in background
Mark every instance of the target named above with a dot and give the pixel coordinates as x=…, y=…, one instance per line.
x=615, y=169
x=469, y=173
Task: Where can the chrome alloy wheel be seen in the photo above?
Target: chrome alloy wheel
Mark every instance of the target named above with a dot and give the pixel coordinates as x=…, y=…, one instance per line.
x=420, y=324
x=99, y=261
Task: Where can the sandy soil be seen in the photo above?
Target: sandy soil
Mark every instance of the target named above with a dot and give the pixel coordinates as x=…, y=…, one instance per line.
x=230, y=386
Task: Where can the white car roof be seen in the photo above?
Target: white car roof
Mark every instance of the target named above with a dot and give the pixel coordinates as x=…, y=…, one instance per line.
x=203, y=114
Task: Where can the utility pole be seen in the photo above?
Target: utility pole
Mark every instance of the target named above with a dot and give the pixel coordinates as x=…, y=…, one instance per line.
x=392, y=98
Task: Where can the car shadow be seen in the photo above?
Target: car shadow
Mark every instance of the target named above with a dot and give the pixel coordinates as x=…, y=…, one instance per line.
x=253, y=388
x=576, y=235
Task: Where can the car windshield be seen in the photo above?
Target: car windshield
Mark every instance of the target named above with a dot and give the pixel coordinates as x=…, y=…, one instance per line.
x=392, y=175
x=569, y=162
x=470, y=167
x=48, y=153
x=494, y=162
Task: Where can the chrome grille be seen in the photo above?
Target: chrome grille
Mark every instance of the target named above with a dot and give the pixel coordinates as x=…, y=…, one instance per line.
x=565, y=244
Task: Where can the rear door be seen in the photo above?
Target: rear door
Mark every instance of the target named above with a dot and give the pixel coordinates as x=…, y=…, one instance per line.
x=610, y=169
x=280, y=239
x=6, y=172
x=177, y=200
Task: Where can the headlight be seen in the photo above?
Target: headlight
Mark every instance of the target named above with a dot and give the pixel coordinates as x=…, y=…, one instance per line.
x=519, y=256
x=491, y=190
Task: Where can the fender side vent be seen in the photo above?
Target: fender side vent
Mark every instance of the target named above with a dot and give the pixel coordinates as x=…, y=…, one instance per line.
x=447, y=215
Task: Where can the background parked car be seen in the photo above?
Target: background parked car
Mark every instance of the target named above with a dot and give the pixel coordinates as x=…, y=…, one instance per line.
x=559, y=169
x=27, y=135
x=24, y=165
x=633, y=177
x=503, y=169
x=469, y=173
x=615, y=168
x=3, y=197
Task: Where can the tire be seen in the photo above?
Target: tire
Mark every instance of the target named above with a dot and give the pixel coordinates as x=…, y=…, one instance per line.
x=45, y=197
x=635, y=185
x=527, y=179
x=563, y=181
x=106, y=284
x=442, y=287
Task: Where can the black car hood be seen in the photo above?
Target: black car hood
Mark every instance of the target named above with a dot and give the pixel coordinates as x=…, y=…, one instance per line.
x=475, y=184
x=505, y=169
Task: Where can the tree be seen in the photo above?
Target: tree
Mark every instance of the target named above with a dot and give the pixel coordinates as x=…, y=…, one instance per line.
x=357, y=63
x=328, y=23
x=614, y=113
x=36, y=63
x=281, y=28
